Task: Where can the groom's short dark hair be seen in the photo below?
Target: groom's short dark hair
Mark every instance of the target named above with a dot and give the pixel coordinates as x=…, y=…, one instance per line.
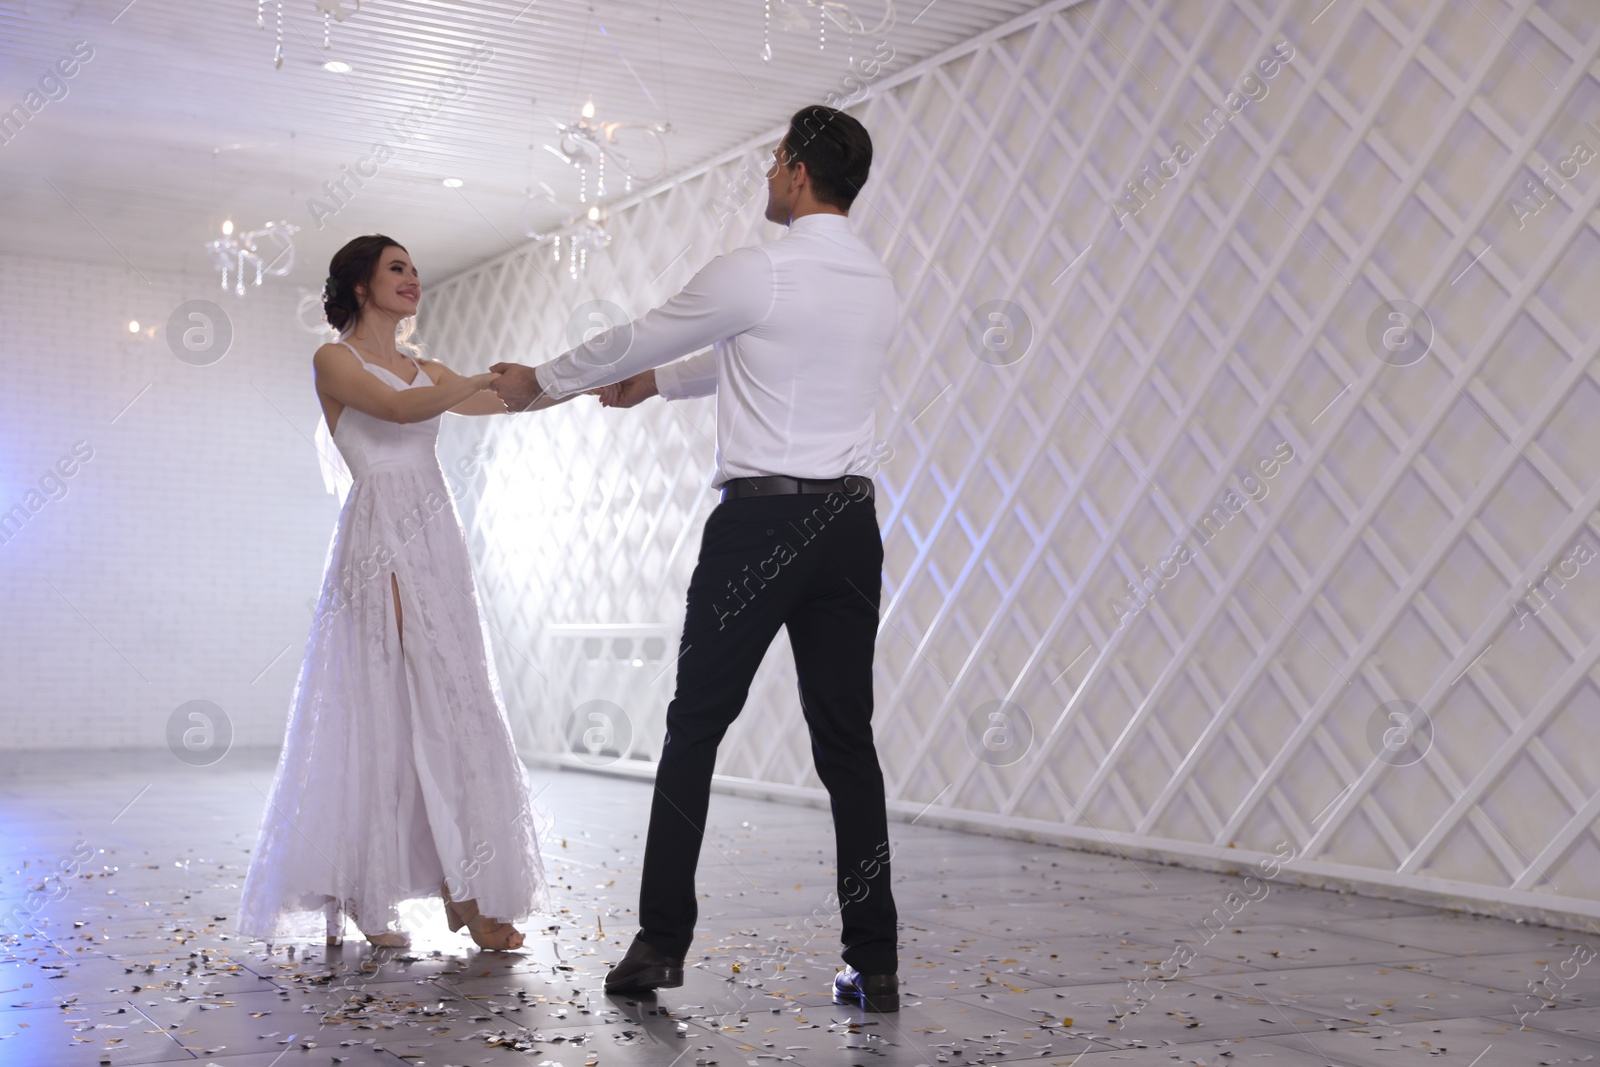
x=836, y=150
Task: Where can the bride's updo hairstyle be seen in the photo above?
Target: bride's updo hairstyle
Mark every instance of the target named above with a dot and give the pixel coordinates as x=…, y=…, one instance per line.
x=352, y=265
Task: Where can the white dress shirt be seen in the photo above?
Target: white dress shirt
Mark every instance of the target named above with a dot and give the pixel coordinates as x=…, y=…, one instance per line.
x=799, y=331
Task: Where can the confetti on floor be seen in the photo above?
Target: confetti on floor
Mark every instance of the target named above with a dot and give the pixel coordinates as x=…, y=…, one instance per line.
x=1011, y=952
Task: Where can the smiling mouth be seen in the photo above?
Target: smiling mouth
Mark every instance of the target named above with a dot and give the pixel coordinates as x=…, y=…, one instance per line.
x=409, y=294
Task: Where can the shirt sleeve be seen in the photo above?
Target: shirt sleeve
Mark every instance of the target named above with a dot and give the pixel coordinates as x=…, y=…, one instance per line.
x=728, y=296
x=692, y=377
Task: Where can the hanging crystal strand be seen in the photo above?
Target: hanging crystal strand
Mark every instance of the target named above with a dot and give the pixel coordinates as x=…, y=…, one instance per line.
x=583, y=185
x=627, y=182
x=600, y=178
x=822, y=26
x=583, y=261
x=277, y=53
x=259, y=266
x=327, y=28
x=238, y=276
x=224, y=277
x=558, y=249
x=261, y=22
x=766, y=31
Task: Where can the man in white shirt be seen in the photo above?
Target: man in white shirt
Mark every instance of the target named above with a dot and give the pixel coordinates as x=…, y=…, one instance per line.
x=799, y=331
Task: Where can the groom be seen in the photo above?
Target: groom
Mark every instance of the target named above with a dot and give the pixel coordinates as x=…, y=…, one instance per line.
x=799, y=331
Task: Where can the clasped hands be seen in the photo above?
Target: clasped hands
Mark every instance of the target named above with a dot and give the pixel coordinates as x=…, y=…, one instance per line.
x=519, y=389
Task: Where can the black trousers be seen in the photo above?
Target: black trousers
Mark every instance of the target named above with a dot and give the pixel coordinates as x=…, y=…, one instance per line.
x=812, y=563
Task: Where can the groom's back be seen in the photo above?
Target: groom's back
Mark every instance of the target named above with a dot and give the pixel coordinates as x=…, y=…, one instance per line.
x=808, y=373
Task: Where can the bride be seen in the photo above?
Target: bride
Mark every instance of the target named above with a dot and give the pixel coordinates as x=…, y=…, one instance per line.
x=398, y=777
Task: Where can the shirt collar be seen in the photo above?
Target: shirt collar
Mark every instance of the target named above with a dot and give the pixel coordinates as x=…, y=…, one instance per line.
x=820, y=222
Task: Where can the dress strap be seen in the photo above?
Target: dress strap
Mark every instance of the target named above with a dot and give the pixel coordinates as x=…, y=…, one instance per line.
x=364, y=363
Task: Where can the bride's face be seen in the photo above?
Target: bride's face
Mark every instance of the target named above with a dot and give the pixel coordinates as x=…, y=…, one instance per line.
x=395, y=287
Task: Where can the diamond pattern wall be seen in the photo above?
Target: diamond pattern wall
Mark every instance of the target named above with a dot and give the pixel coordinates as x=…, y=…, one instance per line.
x=1238, y=483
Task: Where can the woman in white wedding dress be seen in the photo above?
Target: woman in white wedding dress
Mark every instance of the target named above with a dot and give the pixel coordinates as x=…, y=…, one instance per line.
x=398, y=777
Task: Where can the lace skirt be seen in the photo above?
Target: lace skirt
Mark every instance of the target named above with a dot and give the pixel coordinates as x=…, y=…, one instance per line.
x=398, y=769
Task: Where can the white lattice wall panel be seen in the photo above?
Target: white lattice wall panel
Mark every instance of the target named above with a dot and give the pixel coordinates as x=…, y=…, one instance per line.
x=1377, y=517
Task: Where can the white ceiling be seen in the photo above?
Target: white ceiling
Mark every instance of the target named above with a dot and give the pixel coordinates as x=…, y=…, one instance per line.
x=179, y=120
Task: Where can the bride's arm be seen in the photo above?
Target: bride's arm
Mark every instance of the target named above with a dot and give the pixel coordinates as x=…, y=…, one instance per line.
x=339, y=374
x=483, y=403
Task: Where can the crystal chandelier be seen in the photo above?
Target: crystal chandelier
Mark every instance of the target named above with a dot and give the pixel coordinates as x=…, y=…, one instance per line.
x=578, y=235
x=269, y=250
x=803, y=14
x=331, y=10
x=636, y=149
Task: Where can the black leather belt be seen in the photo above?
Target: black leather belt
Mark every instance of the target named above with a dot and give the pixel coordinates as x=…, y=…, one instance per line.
x=779, y=484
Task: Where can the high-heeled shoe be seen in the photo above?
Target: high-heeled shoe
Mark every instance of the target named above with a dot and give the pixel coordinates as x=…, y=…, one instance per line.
x=388, y=939
x=334, y=911
x=486, y=932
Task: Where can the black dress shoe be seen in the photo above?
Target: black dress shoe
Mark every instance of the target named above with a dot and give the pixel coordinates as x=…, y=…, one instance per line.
x=643, y=969
x=872, y=992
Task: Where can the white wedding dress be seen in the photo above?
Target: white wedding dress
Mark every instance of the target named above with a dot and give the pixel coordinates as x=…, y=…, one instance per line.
x=398, y=769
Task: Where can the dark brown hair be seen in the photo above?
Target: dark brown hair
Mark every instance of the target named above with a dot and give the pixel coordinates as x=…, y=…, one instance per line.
x=352, y=265
x=836, y=150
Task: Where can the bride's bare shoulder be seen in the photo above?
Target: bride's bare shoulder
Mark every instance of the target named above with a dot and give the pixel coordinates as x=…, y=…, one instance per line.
x=333, y=350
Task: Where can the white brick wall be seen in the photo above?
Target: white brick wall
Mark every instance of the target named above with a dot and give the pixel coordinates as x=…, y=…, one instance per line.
x=180, y=559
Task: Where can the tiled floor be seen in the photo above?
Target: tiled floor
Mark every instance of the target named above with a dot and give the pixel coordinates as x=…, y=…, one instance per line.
x=1011, y=953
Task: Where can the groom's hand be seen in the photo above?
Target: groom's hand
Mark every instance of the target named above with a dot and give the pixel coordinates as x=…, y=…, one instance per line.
x=629, y=391
x=517, y=385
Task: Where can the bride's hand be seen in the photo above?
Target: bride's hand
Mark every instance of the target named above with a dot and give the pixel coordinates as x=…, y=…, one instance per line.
x=485, y=380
